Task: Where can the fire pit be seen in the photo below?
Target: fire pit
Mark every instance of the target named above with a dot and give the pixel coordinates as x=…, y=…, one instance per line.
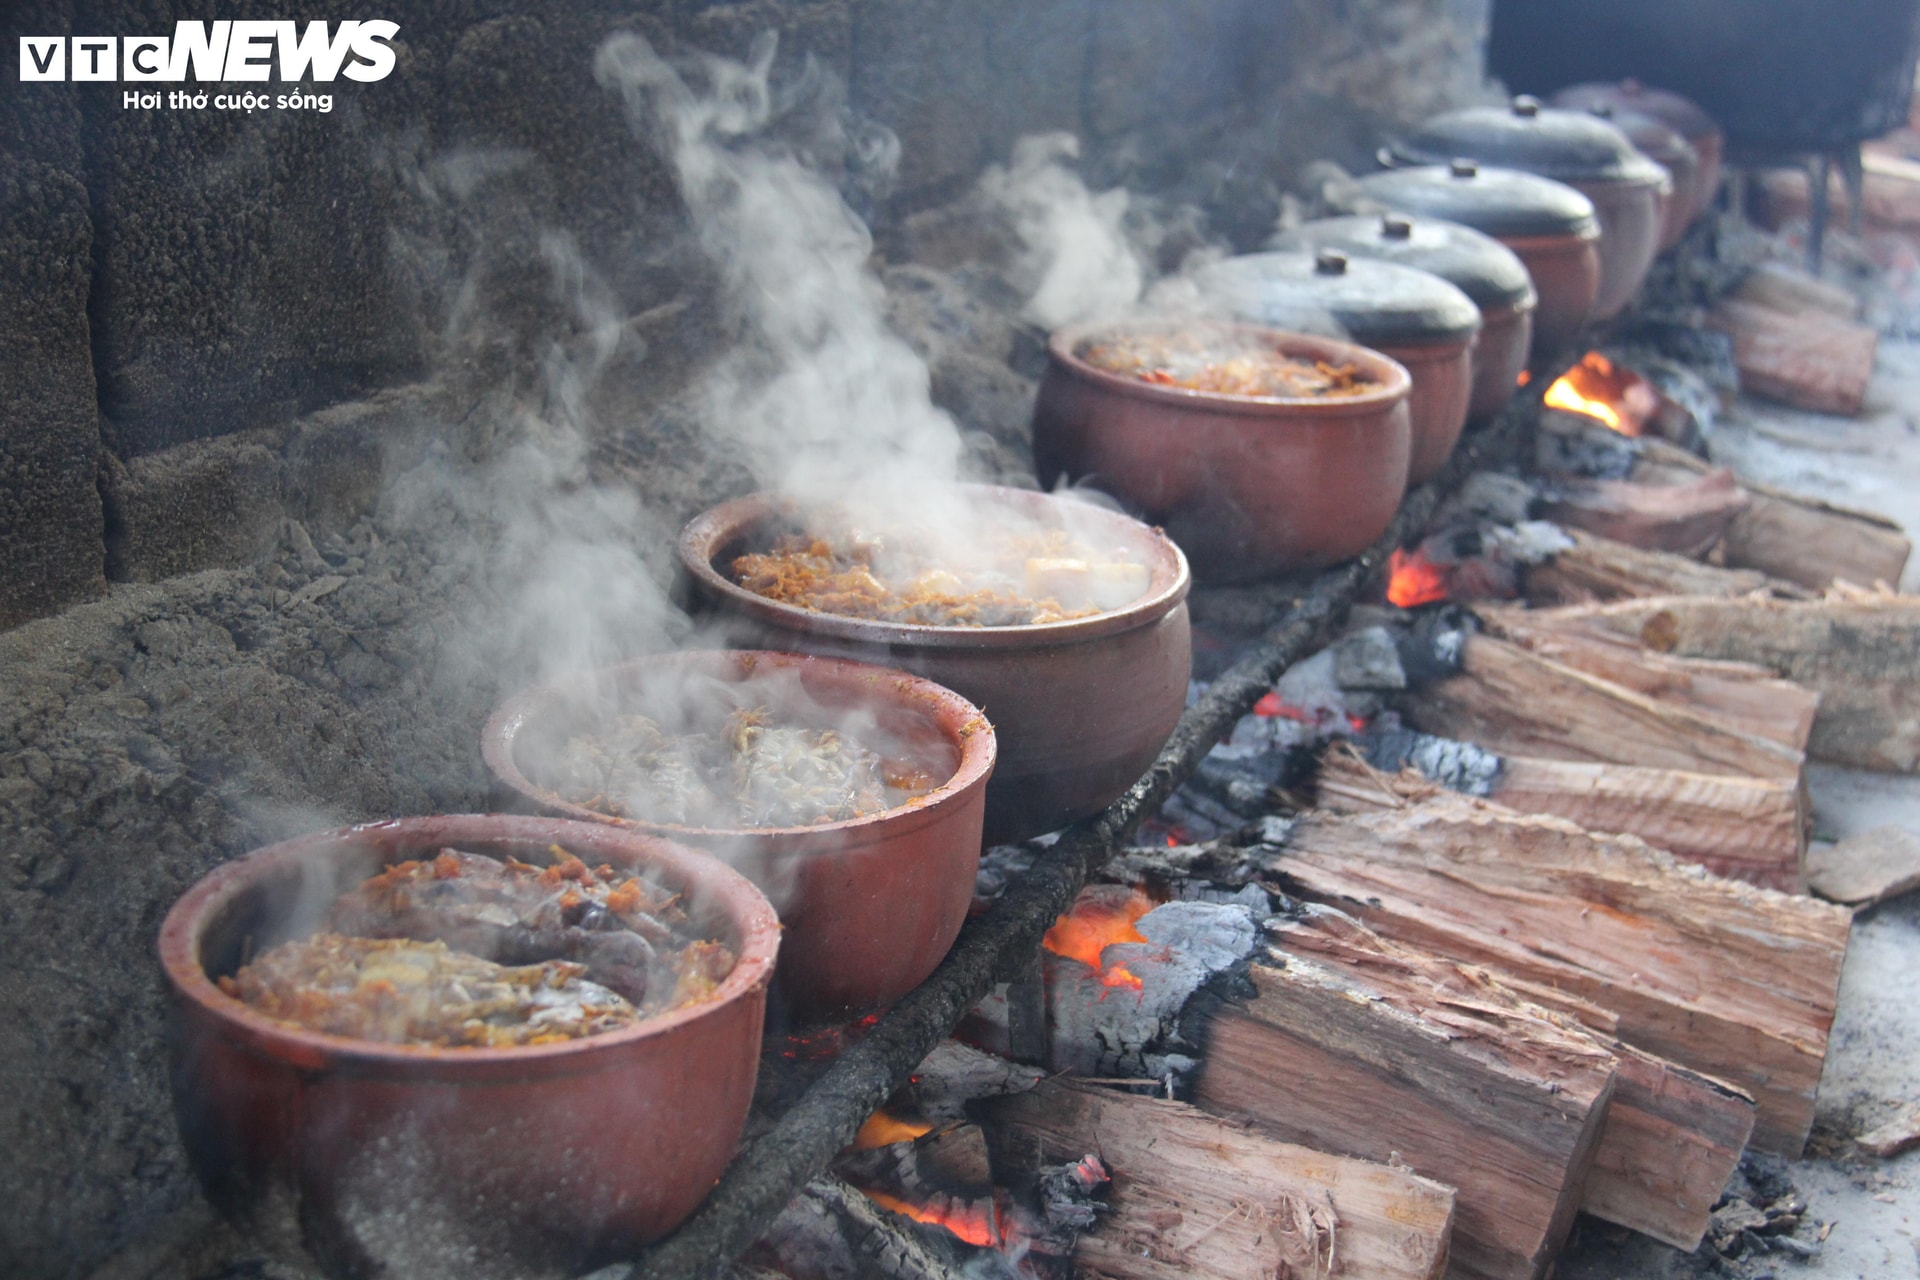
x=1079, y=706
x=870, y=903
x=379, y=1157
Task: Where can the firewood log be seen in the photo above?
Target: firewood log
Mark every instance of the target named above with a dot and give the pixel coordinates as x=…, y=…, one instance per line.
x=1685, y=519
x=1732, y=981
x=1516, y=702
x=1805, y=358
x=1353, y=1047
x=1599, y=569
x=1787, y=535
x=1751, y=829
x=1860, y=655
x=1195, y=1195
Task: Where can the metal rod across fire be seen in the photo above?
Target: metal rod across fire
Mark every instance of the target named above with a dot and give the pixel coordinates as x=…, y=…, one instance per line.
x=1000, y=944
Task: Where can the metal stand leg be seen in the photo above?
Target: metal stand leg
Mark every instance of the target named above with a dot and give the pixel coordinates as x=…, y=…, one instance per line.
x=1853, y=172
x=1817, y=209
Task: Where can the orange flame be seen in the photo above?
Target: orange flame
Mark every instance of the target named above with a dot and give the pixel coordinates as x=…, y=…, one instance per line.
x=1618, y=398
x=883, y=1129
x=1414, y=580
x=976, y=1223
x=1092, y=926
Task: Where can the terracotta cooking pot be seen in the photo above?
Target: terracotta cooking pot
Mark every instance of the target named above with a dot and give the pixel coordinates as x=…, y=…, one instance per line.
x=1549, y=226
x=386, y=1159
x=1406, y=314
x=1080, y=708
x=1571, y=147
x=1666, y=148
x=1680, y=114
x=1250, y=486
x=870, y=904
x=1474, y=263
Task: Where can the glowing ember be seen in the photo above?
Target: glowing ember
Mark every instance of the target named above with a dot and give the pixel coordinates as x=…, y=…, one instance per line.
x=976, y=1223
x=883, y=1129
x=1598, y=388
x=1415, y=580
x=1272, y=705
x=1526, y=376
x=1094, y=925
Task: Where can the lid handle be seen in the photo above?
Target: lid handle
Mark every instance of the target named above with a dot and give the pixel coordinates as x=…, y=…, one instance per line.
x=1330, y=262
x=1602, y=109
x=1463, y=168
x=1526, y=106
x=1396, y=226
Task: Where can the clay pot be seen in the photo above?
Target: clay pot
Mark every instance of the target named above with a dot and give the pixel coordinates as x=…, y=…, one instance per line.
x=1079, y=708
x=1573, y=147
x=387, y=1159
x=1408, y=315
x=1249, y=486
x=1666, y=148
x=1548, y=225
x=1680, y=114
x=871, y=904
x=1478, y=265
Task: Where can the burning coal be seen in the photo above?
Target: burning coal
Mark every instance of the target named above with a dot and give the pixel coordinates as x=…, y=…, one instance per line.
x=1598, y=388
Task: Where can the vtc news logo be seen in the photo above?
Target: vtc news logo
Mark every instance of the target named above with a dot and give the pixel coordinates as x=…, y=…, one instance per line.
x=217, y=51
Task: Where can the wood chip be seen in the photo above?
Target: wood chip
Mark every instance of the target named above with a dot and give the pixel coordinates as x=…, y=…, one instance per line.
x=1902, y=1133
x=1868, y=868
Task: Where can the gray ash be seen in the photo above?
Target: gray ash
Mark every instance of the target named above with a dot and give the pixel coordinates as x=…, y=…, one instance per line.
x=1458, y=766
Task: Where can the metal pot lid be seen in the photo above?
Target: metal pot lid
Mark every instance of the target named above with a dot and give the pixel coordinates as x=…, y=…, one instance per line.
x=1473, y=262
x=1493, y=201
x=1569, y=145
x=1682, y=115
x=1376, y=304
x=1654, y=138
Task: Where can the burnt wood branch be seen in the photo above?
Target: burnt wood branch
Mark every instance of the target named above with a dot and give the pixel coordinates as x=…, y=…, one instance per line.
x=804, y=1141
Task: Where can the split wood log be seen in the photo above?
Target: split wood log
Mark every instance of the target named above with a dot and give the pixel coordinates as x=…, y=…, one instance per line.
x=1197, y=1195
x=1365, y=1050
x=1685, y=519
x=1751, y=829
x=1600, y=569
x=1742, y=694
x=1868, y=868
x=1858, y=654
x=1806, y=358
x=1785, y=288
x=1802, y=540
x=1514, y=702
x=1732, y=981
x=769, y=1170
x=1890, y=193
x=1902, y=1133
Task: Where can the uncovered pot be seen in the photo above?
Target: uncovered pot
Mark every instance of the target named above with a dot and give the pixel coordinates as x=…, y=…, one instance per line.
x=392, y=1159
x=1079, y=708
x=870, y=905
x=1249, y=486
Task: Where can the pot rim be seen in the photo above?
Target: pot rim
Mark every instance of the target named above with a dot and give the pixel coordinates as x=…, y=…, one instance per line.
x=1167, y=587
x=955, y=715
x=1390, y=377
x=187, y=922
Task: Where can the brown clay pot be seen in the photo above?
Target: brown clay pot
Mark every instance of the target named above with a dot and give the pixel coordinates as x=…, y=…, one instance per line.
x=1678, y=113
x=870, y=905
x=386, y=1159
x=1407, y=314
x=1548, y=225
x=1488, y=272
x=1249, y=486
x=1573, y=147
x=1079, y=708
x=1666, y=148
